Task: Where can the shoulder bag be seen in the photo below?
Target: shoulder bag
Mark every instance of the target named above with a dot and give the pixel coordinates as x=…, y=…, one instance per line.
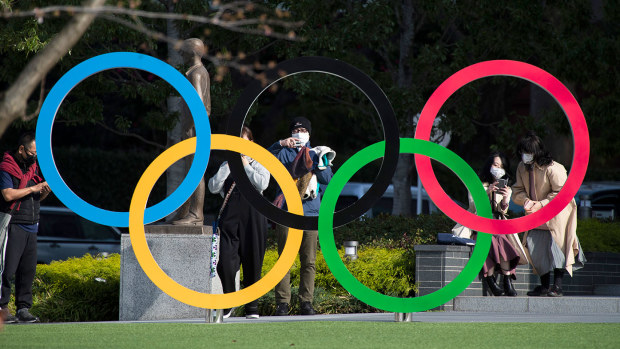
x=215, y=235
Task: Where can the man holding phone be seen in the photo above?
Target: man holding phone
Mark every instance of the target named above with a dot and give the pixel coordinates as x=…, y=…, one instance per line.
x=287, y=150
x=22, y=190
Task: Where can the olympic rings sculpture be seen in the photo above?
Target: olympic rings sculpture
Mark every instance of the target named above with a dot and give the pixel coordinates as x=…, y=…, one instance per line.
x=389, y=149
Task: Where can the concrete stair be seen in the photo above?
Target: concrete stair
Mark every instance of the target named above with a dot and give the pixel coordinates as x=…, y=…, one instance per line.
x=607, y=290
x=542, y=305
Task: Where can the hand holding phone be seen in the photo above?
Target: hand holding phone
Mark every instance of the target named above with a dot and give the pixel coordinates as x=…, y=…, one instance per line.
x=528, y=205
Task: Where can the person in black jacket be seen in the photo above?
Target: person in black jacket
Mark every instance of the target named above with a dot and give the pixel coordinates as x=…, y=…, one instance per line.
x=22, y=190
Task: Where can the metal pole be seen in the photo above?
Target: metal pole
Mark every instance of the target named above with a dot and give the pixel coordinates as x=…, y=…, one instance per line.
x=403, y=317
x=215, y=316
x=419, y=203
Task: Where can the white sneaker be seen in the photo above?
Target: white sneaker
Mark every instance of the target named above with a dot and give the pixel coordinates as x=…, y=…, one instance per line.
x=252, y=316
x=227, y=312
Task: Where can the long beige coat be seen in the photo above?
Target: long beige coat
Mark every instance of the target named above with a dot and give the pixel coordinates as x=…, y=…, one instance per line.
x=548, y=182
x=498, y=200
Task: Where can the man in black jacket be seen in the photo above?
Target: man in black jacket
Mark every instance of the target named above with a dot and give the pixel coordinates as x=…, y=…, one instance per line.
x=22, y=190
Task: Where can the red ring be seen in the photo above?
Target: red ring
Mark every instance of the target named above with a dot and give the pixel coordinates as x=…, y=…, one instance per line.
x=575, y=117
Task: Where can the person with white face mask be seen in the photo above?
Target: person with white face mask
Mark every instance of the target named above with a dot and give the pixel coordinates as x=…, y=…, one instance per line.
x=505, y=253
x=287, y=150
x=554, y=245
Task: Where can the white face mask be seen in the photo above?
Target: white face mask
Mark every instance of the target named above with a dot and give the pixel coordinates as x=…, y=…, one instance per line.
x=304, y=137
x=527, y=158
x=497, y=172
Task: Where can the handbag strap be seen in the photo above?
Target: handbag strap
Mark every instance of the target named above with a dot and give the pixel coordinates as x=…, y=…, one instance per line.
x=215, y=234
x=226, y=200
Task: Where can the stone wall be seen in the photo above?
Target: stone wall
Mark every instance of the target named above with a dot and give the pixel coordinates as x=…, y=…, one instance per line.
x=437, y=265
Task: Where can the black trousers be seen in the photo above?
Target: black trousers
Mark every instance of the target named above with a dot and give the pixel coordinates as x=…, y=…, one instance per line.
x=242, y=242
x=20, y=261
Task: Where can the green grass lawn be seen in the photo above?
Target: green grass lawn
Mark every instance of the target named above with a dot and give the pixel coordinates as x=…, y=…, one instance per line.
x=312, y=335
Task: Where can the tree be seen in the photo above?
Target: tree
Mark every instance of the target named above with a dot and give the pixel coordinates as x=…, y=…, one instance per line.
x=240, y=16
x=410, y=48
x=124, y=102
x=14, y=99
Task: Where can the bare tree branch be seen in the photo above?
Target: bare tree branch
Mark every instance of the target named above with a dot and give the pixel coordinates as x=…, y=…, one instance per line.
x=133, y=135
x=41, y=98
x=220, y=19
x=13, y=105
x=230, y=16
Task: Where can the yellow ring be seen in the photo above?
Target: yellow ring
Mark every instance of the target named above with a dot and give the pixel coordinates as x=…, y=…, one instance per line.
x=150, y=266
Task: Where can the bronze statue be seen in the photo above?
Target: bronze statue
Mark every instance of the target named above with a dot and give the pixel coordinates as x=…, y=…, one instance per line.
x=192, y=50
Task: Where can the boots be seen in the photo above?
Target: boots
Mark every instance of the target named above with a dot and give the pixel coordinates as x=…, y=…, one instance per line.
x=493, y=287
x=508, y=287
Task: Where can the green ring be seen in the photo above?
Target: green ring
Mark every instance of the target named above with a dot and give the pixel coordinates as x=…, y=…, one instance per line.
x=340, y=271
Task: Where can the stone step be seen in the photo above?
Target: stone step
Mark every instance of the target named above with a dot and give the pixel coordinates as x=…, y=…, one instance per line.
x=544, y=305
x=607, y=290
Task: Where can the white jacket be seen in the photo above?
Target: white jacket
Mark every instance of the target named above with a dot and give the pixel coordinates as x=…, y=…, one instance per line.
x=257, y=173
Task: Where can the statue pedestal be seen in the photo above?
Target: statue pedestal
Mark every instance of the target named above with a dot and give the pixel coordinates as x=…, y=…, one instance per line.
x=182, y=252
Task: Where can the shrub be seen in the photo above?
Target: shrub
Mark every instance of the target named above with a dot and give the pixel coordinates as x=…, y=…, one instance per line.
x=385, y=270
x=78, y=289
x=599, y=236
x=395, y=231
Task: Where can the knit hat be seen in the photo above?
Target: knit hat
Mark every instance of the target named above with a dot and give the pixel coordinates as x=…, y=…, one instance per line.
x=300, y=121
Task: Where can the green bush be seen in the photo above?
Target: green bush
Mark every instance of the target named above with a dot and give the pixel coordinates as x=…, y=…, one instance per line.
x=599, y=236
x=389, y=271
x=78, y=289
x=395, y=231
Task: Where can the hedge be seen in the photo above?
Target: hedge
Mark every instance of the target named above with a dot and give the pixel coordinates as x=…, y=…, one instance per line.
x=78, y=289
x=385, y=270
x=87, y=288
x=599, y=236
x=406, y=231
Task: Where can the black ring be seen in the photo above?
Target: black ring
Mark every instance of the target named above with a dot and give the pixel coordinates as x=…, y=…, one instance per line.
x=356, y=77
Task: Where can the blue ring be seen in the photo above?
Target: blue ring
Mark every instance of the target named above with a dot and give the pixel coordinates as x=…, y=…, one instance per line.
x=111, y=61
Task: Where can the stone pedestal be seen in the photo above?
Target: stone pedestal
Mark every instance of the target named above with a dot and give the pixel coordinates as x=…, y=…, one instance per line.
x=182, y=252
x=438, y=265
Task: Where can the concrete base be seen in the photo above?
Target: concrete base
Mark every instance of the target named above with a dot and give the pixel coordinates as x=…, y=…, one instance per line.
x=540, y=305
x=184, y=254
x=438, y=265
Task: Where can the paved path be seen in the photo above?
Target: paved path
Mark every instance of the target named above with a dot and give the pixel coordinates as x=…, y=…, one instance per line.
x=448, y=316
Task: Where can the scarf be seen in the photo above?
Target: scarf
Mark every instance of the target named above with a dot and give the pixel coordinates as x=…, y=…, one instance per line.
x=301, y=165
x=10, y=166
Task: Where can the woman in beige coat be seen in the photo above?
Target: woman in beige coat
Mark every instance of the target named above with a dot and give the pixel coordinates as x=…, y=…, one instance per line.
x=554, y=245
x=503, y=256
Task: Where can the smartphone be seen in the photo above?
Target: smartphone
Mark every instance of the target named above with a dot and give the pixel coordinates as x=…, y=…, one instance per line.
x=528, y=205
x=502, y=183
x=297, y=143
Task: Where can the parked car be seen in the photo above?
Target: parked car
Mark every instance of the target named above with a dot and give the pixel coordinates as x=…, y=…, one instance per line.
x=352, y=191
x=604, y=198
x=64, y=234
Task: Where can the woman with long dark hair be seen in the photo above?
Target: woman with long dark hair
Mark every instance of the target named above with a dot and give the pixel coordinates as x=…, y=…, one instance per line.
x=554, y=245
x=243, y=229
x=503, y=256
